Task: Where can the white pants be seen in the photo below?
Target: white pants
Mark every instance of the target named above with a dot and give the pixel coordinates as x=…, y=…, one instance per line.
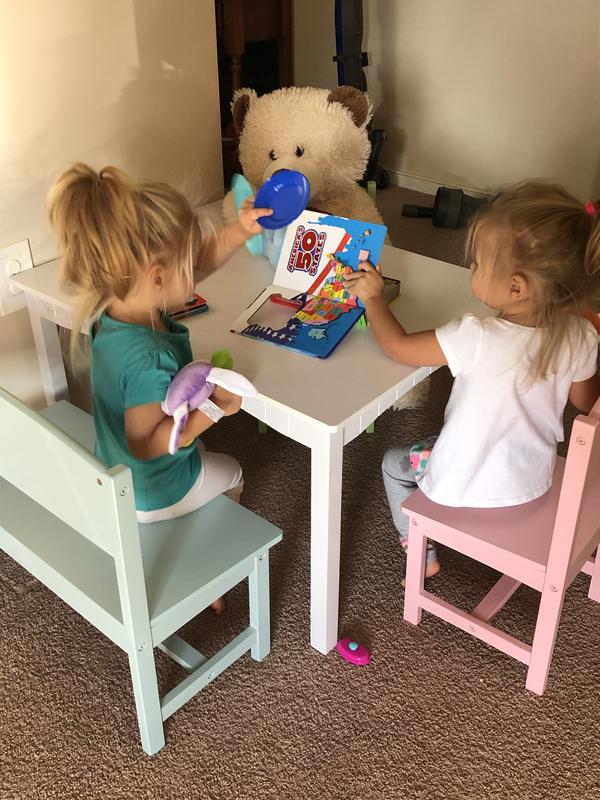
x=220, y=474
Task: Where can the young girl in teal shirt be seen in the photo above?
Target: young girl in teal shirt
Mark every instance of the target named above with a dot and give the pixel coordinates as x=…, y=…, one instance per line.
x=132, y=252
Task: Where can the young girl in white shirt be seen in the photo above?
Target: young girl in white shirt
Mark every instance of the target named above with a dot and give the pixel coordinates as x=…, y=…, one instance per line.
x=534, y=254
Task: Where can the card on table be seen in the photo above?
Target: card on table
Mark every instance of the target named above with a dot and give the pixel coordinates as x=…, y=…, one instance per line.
x=195, y=304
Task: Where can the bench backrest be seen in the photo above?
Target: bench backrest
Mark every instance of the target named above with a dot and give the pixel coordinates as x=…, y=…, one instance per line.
x=60, y=475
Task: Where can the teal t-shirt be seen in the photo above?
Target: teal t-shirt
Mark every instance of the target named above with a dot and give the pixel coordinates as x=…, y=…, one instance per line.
x=133, y=365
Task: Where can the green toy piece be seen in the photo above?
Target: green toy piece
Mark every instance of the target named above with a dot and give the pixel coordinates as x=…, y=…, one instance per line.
x=222, y=359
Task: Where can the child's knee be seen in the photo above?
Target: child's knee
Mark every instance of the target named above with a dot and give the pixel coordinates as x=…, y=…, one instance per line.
x=395, y=463
x=237, y=482
x=237, y=477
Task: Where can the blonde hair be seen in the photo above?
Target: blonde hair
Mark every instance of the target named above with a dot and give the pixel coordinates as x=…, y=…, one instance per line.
x=549, y=237
x=110, y=228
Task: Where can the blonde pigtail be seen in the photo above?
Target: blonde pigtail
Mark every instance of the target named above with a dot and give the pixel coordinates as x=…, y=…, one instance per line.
x=110, y=229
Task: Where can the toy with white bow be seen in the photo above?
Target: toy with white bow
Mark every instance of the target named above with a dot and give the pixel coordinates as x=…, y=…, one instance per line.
x=192, y=387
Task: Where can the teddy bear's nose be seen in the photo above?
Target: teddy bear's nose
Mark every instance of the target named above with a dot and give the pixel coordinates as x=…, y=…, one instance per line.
x=287, y=164
x=291, y=169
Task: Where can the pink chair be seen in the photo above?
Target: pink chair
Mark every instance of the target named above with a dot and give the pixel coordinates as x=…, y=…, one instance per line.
x=543, y=544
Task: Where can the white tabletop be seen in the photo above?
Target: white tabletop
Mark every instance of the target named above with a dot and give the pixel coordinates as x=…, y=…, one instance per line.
x=328, y=391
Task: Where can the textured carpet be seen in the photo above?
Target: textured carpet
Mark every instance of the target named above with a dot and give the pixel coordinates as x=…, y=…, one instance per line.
x=436, y=715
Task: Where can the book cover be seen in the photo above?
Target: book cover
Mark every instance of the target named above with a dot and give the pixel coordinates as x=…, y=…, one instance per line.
x=307, y=308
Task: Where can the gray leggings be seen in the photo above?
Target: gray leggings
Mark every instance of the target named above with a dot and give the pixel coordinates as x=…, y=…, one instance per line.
x=399, y=481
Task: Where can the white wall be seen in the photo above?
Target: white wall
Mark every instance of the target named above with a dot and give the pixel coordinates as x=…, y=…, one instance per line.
x=314, y=43
x=477, y=93
x=127, y=82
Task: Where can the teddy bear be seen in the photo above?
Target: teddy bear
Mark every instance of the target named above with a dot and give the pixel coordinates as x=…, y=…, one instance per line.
x=318, y=132
x=322, y=134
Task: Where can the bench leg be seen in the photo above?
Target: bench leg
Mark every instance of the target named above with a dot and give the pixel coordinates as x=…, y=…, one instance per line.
x=147, y=699
x=182, y=653
x=258, y=586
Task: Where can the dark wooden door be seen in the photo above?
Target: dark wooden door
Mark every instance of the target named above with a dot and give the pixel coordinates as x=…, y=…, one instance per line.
x=254, y=41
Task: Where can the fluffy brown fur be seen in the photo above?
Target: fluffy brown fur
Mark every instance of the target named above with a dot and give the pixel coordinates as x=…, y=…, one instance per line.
x=317, y=132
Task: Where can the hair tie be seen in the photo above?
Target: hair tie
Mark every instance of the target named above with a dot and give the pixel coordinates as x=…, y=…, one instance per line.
x=591, y=208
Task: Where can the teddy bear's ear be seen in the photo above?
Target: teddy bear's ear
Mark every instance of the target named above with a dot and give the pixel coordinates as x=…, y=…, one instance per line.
x=354, y=100
x=240, y=105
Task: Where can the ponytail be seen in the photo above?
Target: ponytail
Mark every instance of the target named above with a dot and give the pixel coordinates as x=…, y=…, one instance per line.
x=95, y=217
x=109, y=229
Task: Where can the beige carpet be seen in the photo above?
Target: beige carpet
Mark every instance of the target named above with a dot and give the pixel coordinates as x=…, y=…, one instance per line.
x=436, y=714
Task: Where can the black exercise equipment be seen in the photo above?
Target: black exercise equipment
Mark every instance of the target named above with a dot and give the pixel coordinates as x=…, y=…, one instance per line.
x=351, y=60
x=452, y=208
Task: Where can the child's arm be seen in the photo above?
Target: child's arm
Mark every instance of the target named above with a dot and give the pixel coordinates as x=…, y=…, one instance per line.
x=416, y=349
x=219, y=247
x=147, y=427
x=583, y=394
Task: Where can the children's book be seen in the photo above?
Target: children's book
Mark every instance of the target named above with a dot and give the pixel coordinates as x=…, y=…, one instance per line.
x=307, y=308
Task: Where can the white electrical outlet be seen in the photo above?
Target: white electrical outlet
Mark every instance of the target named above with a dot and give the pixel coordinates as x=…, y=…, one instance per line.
x=14, y=258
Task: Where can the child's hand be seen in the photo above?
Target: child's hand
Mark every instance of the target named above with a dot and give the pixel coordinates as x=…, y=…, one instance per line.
x=248, y=215
x=366, y=283
x=228, y=402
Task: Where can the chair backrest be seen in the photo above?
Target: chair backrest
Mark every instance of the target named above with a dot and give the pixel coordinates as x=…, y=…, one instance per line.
x=578, y=514
x=60, y=475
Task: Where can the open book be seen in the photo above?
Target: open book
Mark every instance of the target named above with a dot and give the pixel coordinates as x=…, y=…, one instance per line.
x=307, y=308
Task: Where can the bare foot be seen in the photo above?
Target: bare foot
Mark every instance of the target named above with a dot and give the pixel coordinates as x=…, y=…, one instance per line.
x=218, y=606
x=431, y=568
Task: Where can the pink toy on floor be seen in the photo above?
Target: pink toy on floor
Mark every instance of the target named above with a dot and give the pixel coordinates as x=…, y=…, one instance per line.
x=353, y=652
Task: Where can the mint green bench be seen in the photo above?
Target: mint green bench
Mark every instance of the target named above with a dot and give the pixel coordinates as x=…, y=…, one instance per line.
x=71, y=523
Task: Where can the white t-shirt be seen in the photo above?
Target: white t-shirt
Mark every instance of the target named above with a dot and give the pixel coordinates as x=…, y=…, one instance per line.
x=498, y=443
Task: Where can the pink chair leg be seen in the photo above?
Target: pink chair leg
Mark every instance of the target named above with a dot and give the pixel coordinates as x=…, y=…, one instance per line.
x=594, y=592
x=415, y=573
x=544, y=638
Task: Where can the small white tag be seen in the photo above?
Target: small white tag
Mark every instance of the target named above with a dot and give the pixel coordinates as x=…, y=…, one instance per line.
x=211, y=410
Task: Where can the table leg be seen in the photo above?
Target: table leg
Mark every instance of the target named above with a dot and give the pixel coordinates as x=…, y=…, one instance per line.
x=49, y=353
x=326, y=505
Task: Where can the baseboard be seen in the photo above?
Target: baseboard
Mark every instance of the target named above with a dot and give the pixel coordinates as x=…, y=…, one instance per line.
x=419, y=183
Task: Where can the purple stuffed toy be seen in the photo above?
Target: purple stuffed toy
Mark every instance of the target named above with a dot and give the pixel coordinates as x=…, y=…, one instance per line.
x=192, y=386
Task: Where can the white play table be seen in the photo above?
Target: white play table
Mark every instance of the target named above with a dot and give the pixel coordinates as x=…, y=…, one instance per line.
x=323, y=404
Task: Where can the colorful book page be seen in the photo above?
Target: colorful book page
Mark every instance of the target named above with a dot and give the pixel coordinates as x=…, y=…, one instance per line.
x=318, y=252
